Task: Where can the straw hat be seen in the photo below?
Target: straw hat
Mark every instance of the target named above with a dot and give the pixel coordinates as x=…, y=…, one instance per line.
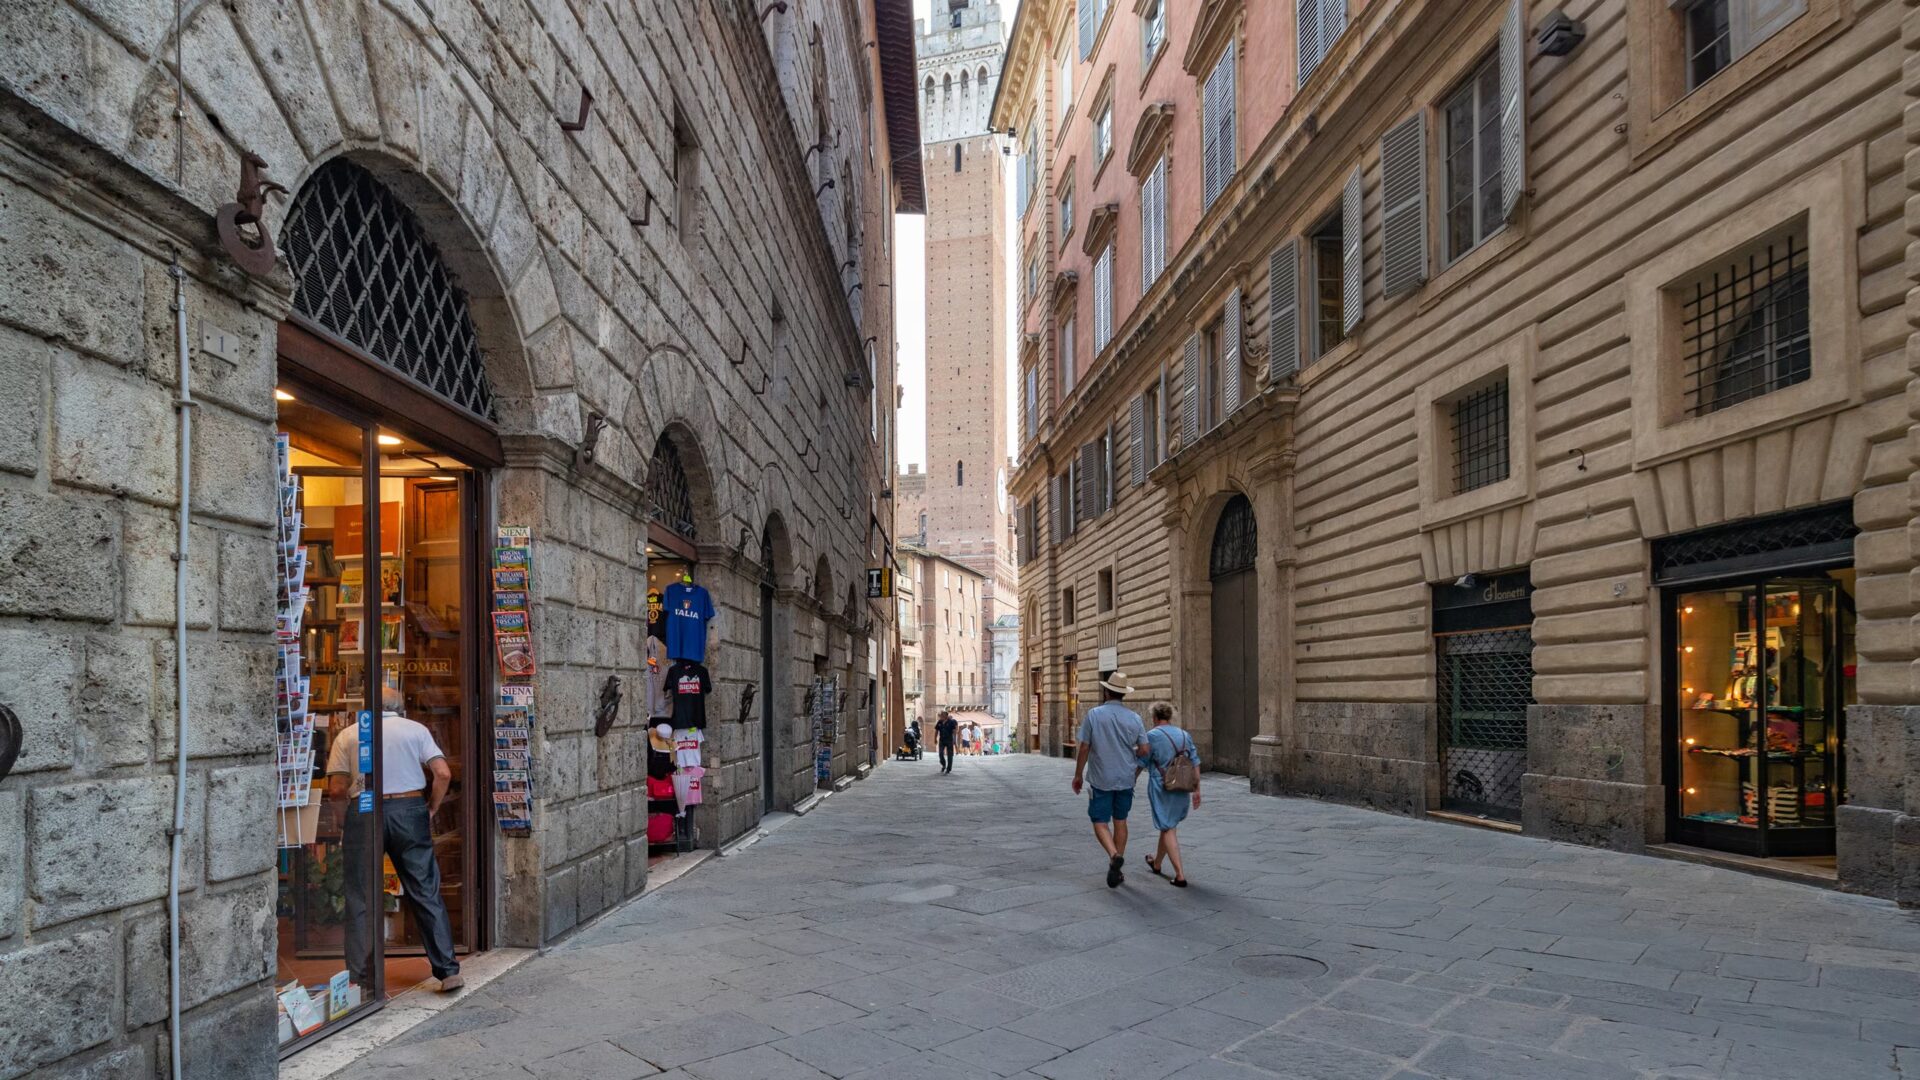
x=1118, y=683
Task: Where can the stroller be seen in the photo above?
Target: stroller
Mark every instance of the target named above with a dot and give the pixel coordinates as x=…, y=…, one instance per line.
x=910, y=750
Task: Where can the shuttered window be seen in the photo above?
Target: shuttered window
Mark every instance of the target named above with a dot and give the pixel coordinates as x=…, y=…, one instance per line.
x=1231, y=319
x=1513, y=107
x=1032, y=403
x=1403, y=206
x=1219, y=154
x=1153, y=225
x=1317, y=25
x=1722, y=31
x=1066, y=358
x=1137, y=438
x=1352, y=277
x=1483, y=142
x=1190, y=391
x=1090, y=14
x=1103, y=300
x=1283, y=311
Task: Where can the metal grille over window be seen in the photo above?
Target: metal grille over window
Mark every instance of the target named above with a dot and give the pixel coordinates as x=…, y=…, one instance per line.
x=669, y=492
x=1485, y=683
x=1236, y=541
x=1744, y=327
x=1480, y=438
x=364, y=270
x=1813, y=534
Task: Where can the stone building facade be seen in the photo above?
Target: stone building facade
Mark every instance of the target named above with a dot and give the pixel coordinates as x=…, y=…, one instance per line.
x=949, y=604
x=1489, y=412
x=669, y=225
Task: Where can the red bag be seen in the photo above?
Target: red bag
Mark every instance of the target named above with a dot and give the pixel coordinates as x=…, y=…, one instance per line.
x=659, y=788
x=659, y=828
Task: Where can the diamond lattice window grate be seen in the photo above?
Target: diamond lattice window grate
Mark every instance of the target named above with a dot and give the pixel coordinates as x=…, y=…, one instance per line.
x=364, y=269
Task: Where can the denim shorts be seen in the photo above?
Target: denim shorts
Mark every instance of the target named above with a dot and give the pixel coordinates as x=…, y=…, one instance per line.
x=1105, y=806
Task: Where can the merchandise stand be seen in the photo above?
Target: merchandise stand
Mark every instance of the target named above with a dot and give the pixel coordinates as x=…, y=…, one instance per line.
x=679, y=614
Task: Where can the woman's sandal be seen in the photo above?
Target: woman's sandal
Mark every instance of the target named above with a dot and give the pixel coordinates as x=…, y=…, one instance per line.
x=1151, y=865
x=1179, y=883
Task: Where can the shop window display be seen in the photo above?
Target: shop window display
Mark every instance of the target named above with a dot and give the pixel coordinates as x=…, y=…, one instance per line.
x=1762, y=674
x=680, y=614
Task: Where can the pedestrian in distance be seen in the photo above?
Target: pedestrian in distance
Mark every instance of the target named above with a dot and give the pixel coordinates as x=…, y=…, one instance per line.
x=1112, y=740
x=947, y=730
x=1172, y=765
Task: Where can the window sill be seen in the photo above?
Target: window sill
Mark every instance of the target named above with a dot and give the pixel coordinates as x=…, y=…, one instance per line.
x=1333, y=358
x=1474, y=263
x=1152, y=65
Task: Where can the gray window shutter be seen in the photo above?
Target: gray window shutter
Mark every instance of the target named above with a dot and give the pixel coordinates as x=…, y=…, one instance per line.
x=1089, y=506
x=1352, y=273
x=1137, y=439
x=1111, y=453
x=1513, y=107
x=1283, y=311
x=1306, y=36
x=1089, y=22
x=1754, y=21
x=1403, y=206
x=1056, y=513
x=1333, y=20
x=1230, y=322
x=1209, y=144
x=1190, y=397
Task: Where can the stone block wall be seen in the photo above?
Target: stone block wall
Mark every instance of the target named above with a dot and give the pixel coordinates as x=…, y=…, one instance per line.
x=88, y=471
x=732, y=320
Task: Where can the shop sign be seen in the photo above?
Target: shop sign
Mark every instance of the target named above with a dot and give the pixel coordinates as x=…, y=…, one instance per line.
x=879, y=582
x=1482, y=590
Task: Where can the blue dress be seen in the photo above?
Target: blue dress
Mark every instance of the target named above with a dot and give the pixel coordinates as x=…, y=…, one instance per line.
x=1169, y=807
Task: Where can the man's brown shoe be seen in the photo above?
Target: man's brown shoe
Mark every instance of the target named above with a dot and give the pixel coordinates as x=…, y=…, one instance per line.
x=451, y=983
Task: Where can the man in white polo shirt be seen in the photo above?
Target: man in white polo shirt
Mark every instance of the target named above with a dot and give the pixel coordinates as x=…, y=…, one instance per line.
x=413, y=782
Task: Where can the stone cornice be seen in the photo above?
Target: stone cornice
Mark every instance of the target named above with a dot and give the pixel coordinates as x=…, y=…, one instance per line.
x=1150, y=133
x=1216, y=25
x=1100, y=227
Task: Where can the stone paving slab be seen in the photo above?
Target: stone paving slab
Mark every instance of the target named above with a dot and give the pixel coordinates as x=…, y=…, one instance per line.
x=888, y=935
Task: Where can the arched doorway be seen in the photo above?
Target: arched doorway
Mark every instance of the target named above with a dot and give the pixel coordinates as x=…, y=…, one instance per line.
x=1236, y=636
x=386, y=435
x=772, y=539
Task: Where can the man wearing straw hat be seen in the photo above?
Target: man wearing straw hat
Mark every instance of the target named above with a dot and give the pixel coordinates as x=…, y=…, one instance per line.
x=1112, y=740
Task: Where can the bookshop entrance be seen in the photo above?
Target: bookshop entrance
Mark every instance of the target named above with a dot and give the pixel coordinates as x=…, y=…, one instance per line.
x=387, y=554
x=384, y=669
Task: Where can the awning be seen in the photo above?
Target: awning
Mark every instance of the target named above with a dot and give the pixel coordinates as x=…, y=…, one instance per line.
x=984, y=720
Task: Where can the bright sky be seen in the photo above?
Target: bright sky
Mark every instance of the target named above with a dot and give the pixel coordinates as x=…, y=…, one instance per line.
x=910, y=306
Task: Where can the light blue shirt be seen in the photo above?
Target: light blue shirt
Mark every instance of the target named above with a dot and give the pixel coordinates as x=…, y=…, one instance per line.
x=1112, y=734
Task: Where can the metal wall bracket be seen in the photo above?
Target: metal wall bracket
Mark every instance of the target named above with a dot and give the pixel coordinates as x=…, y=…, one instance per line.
x=609, y=710
x=746, y=700
x=10, y=738
x=253, y=253
x=586, y=109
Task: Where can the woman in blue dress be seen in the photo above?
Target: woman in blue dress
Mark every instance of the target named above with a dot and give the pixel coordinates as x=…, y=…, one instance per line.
x=1164, y=740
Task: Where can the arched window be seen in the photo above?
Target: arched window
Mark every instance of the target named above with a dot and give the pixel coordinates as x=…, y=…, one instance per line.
x=669, y=491
x=364, y=270
x=929, y=89
x=1235, y=541
x=965, y=82
x=959, y=474
x=946, y=88
x=980, y=80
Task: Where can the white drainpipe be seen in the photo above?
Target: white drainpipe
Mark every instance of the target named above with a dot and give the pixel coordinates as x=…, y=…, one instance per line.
x=178, y=833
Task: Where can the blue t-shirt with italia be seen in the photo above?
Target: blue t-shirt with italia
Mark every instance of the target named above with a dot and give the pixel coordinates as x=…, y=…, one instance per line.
x=687, y=608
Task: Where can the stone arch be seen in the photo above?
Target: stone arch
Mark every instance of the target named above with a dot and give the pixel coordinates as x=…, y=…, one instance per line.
x=776, y=549
x=823, y=583
x=672, y=393
x=1202, y=518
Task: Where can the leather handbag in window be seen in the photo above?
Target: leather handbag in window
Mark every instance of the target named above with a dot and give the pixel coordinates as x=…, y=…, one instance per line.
x=1181, y=774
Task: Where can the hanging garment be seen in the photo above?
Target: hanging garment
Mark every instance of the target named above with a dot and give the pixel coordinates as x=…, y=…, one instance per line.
x=688, y=609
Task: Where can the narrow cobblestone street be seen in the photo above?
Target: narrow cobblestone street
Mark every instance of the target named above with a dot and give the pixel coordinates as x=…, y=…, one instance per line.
x=929, y=927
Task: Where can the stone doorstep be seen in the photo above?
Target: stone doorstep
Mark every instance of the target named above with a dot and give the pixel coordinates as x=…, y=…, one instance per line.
x=401, y=1014
x=1474, y=820
x=1799, y=871
x=408, y=1010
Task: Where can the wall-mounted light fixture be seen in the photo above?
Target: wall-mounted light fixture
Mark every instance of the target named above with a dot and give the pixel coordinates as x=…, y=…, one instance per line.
x=1560, y=34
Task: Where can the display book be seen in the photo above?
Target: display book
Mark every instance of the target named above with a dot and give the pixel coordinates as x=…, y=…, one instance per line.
x=513, y=652
x=299, y=811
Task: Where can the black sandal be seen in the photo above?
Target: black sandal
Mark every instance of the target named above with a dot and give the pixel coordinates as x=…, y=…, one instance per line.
x=1114, y=876
x=1179, y=883
x=1151, y=865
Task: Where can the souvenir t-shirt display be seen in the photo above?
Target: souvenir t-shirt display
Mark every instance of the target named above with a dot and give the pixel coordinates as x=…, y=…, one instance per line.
x=686, y=747
x=660, y=752
x=689, y=686
x=686, y=787
x=658, y=703
x=688, y=610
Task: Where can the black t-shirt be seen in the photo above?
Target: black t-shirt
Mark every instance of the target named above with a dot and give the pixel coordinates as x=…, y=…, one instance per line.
x=688, y=687
x=947, y=729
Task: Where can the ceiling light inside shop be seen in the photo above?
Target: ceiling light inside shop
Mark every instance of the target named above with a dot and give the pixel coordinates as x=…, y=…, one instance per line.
x=449, y=479
x=388, y=440
x=281, y=395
